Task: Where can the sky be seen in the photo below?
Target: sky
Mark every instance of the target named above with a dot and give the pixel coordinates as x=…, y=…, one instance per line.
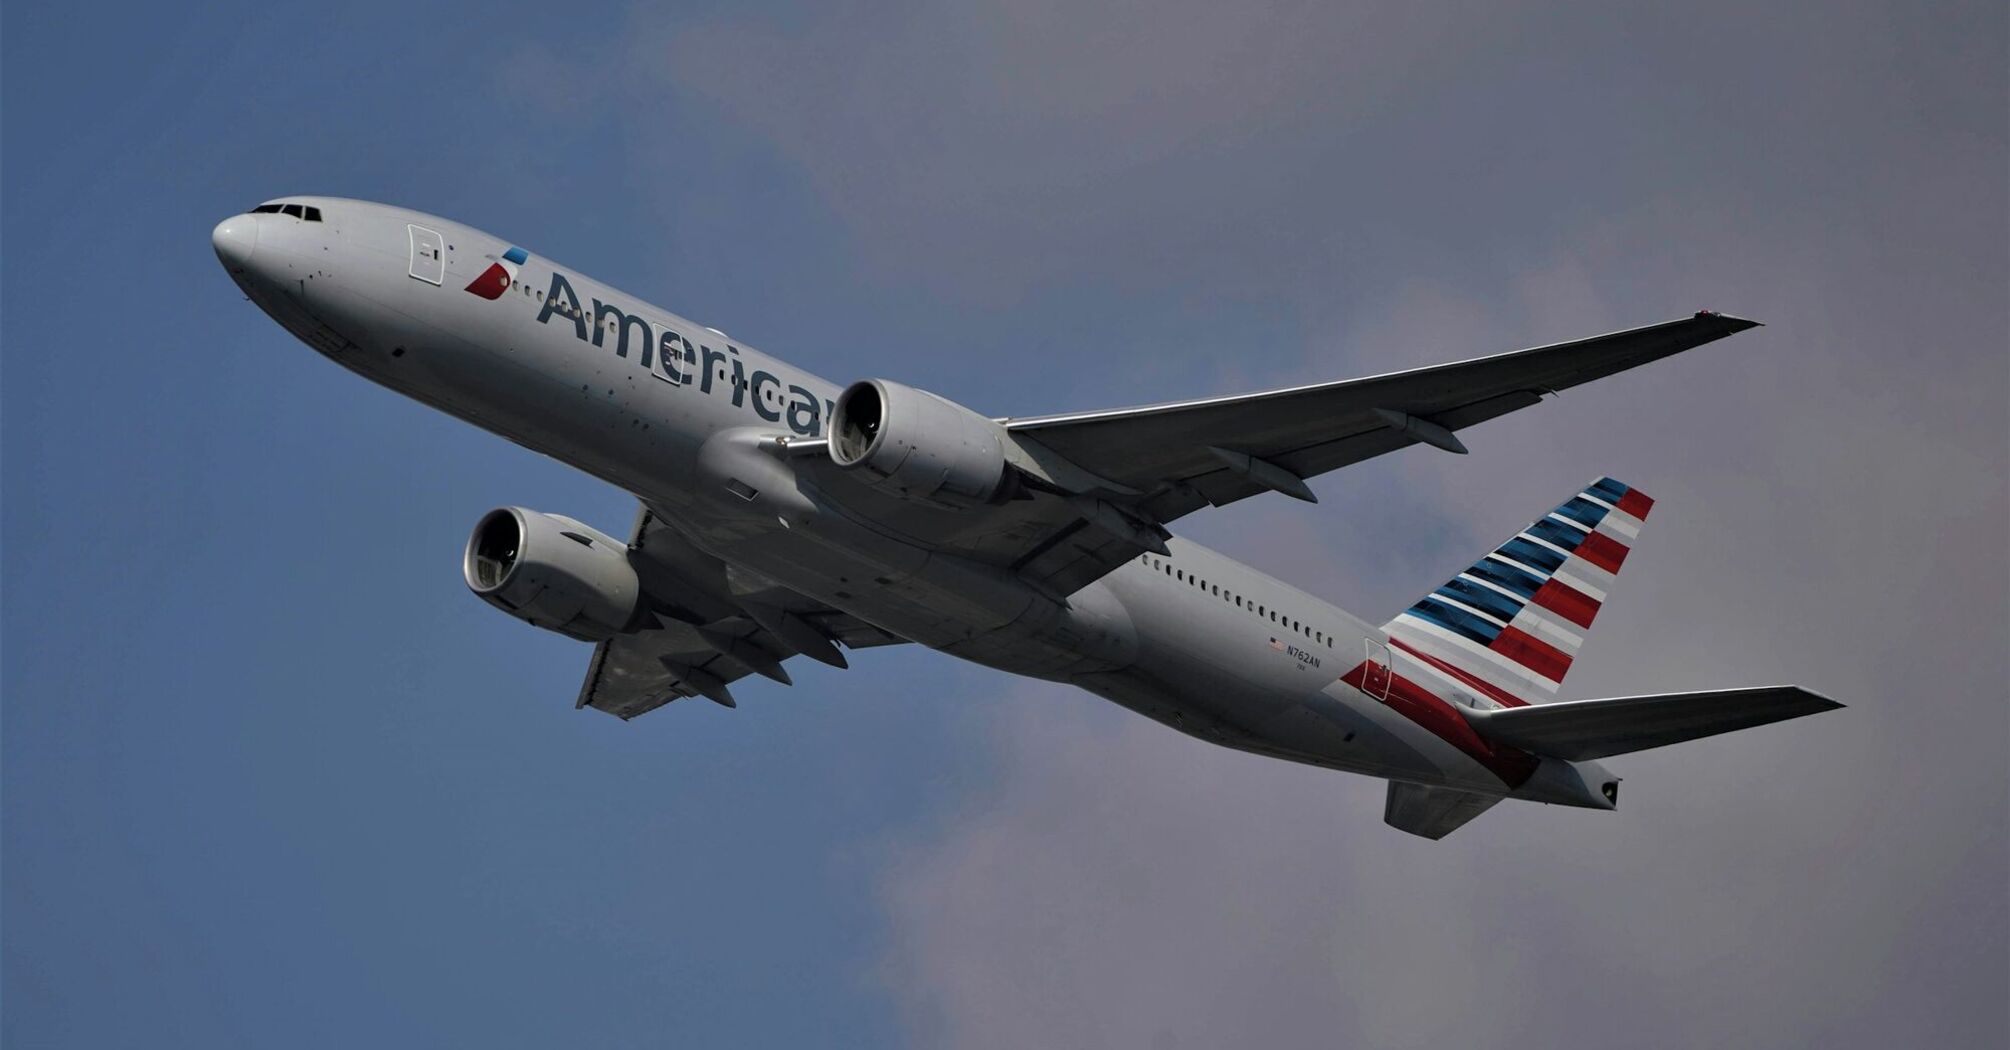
x=270, y=775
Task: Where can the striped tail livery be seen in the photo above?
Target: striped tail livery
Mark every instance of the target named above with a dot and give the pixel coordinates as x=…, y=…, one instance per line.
x=1510, y=625
x=1483, y=656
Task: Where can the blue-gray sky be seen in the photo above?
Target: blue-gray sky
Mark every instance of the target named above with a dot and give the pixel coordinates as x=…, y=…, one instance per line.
x=271, y=776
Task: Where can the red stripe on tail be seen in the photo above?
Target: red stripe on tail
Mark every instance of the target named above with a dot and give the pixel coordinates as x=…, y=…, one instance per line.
x=1531, y=652
x=1603, y=551
x=1568, y=602
x=1636, y=503
x=1488, y=688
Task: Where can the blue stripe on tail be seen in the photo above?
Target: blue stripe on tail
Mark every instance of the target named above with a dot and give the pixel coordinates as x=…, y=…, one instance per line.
x=1556, y=533
x=1532, y=554
x=1485, y=599
x=1608, y=490
x=1582, y=511
x=1456, y=620
x=1494, y=570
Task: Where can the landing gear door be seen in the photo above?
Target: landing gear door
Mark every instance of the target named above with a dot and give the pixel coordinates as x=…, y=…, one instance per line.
x=429, y=254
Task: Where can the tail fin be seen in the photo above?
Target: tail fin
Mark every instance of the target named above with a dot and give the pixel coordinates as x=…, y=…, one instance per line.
x=1510, y=625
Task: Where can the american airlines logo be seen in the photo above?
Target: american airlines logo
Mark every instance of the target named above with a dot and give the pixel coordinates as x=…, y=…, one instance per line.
x=666, y=354
x=500, y=275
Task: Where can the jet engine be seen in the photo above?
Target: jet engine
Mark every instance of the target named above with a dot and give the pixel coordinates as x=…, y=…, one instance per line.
x=918, y=446
x=553, y=572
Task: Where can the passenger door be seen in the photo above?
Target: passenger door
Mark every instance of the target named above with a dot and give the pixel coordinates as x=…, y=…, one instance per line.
x=429, y=254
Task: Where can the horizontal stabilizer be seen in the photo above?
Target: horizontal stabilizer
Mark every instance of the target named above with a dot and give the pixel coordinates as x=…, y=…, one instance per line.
x=1432, y=812
x=1582, y=729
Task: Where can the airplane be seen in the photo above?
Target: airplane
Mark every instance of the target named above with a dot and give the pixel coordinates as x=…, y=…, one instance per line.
x=780, y=514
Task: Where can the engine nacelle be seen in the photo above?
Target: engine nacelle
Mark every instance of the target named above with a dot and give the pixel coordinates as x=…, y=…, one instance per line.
x=918, y=446
x=553, y=572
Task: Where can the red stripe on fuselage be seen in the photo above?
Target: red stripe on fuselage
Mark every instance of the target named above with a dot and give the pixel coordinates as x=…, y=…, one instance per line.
x=1531, y=652
x=1603, y=551
x=1636, y=503
x=1567, y=601
x=1435, y=714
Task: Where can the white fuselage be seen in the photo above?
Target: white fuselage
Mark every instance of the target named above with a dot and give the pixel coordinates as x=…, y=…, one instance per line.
x=1195, y=640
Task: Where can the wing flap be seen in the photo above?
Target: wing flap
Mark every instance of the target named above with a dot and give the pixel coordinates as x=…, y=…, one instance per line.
x=701, y=640
x=1076, y=555
x=633, y=674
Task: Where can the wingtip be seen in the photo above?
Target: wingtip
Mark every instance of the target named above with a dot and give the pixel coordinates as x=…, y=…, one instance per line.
x=1818, y=702
x=1735, y=324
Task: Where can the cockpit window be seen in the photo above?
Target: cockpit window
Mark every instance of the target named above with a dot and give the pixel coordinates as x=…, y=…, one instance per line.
x=306, y=212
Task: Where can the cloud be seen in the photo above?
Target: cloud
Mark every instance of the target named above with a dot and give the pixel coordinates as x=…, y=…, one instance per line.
x=1404, y=187
x=1831, y=513
x=1009, y=145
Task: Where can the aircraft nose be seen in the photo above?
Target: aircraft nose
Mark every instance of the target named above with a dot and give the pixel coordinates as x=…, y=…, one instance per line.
x=235, y=239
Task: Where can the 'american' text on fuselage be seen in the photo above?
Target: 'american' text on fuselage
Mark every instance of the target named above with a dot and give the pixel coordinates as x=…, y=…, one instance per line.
x=672, y=358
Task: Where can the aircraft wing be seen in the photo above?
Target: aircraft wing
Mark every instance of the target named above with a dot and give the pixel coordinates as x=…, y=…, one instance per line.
x=1148, y=466
x=1190, y=454
x=704, y=638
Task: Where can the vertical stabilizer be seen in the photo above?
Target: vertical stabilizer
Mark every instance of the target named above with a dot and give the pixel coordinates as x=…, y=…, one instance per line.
x=1510, y=626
